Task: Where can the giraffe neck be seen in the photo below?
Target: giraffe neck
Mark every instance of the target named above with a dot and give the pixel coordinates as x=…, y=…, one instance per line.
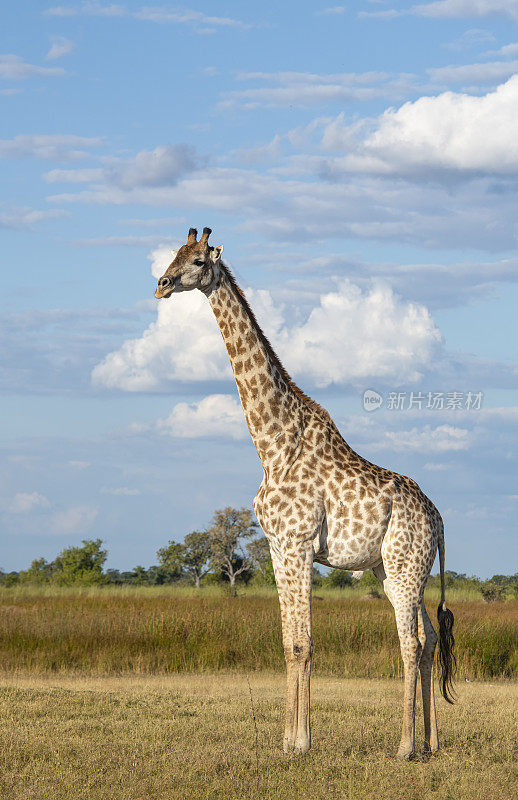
x=270, y=401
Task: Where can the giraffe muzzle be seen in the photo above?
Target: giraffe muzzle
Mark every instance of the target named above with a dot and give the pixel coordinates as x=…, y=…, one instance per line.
x=165, y=287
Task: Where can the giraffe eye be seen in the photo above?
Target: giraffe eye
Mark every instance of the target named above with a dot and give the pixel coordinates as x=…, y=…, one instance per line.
x=198, y=262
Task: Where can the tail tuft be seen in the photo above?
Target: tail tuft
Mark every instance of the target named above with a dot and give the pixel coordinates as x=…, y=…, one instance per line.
x=447, y=661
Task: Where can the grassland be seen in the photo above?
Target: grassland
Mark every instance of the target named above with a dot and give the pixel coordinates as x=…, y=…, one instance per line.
x=187, y=736
x=166, y=630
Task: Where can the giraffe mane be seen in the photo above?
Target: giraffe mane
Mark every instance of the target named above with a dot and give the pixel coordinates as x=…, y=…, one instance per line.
x=308, y=401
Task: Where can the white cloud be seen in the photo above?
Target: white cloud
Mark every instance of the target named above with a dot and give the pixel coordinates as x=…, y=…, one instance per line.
x=25, y=218
x=468, y=8
x=470, y=38
x=450, y=131
x=436, y=466
x=342, y=185
x=183, y=344
x=120, y=491
x=427, y=439
x=118, y=241
x=509, y=49
x=73, y=175
x=200, y=22
x=164, y=14
x=57, y=147
x=215, y=415
x=474, y=74
x=356, y=335
x=162, y=166
x=89, y=8
x=384, y=337
x=61, y=46
x=23, y=502
x=332, y=11
x=14, y=68
x=80, y=465
x=77, y=519
x=303, y=88
x=326, y=200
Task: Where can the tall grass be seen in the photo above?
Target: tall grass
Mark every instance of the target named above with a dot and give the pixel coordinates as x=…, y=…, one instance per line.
x=163, y=629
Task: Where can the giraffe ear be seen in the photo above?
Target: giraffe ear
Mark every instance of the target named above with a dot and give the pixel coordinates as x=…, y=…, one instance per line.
x=215, y=253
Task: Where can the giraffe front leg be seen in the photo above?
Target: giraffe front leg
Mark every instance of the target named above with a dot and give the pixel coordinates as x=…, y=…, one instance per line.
x=293, y=573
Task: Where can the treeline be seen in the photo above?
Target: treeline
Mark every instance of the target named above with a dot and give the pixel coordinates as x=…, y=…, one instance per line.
x=229, y=551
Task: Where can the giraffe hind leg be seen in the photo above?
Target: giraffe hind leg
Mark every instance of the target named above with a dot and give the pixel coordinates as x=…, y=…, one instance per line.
x=428, y=639
x=403, y=584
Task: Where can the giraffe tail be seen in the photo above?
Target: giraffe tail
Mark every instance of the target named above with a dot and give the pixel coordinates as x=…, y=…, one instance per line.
x=447, y=661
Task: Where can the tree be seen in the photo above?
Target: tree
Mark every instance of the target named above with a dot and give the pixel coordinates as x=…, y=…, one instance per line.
x=81, y=564
x=259, y=552
x=338, y=579
x=230, y=526
x=40, y=571
x=192, y=557
x=197, y=555
x=370, y=583
x=9, y=578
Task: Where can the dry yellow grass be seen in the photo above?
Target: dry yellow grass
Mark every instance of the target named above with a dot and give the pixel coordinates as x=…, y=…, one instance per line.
x=193, y=736
x=106, y=631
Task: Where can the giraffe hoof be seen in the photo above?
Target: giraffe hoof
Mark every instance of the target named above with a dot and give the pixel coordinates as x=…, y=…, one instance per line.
x=405, y=753
x=301, y=746
x=288, y=747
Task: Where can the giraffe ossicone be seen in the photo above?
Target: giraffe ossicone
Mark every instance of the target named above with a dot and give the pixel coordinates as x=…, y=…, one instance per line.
x=320, y=501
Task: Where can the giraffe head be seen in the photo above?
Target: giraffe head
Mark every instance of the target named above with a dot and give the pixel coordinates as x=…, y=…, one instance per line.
x=196, y=265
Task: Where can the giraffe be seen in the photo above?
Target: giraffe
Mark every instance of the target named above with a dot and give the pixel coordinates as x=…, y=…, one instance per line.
x=320, y=501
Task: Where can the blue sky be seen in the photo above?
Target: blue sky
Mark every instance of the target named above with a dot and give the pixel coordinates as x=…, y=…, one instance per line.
x=360, y=165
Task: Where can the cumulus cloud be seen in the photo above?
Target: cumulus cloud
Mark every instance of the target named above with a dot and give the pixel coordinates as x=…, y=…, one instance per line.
x=214, y=416
x=384, y=336
x=183, y=344
x=450, y=131
x=14, y=68
x=61, y=46
x=355, y=335
x=24, y=502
